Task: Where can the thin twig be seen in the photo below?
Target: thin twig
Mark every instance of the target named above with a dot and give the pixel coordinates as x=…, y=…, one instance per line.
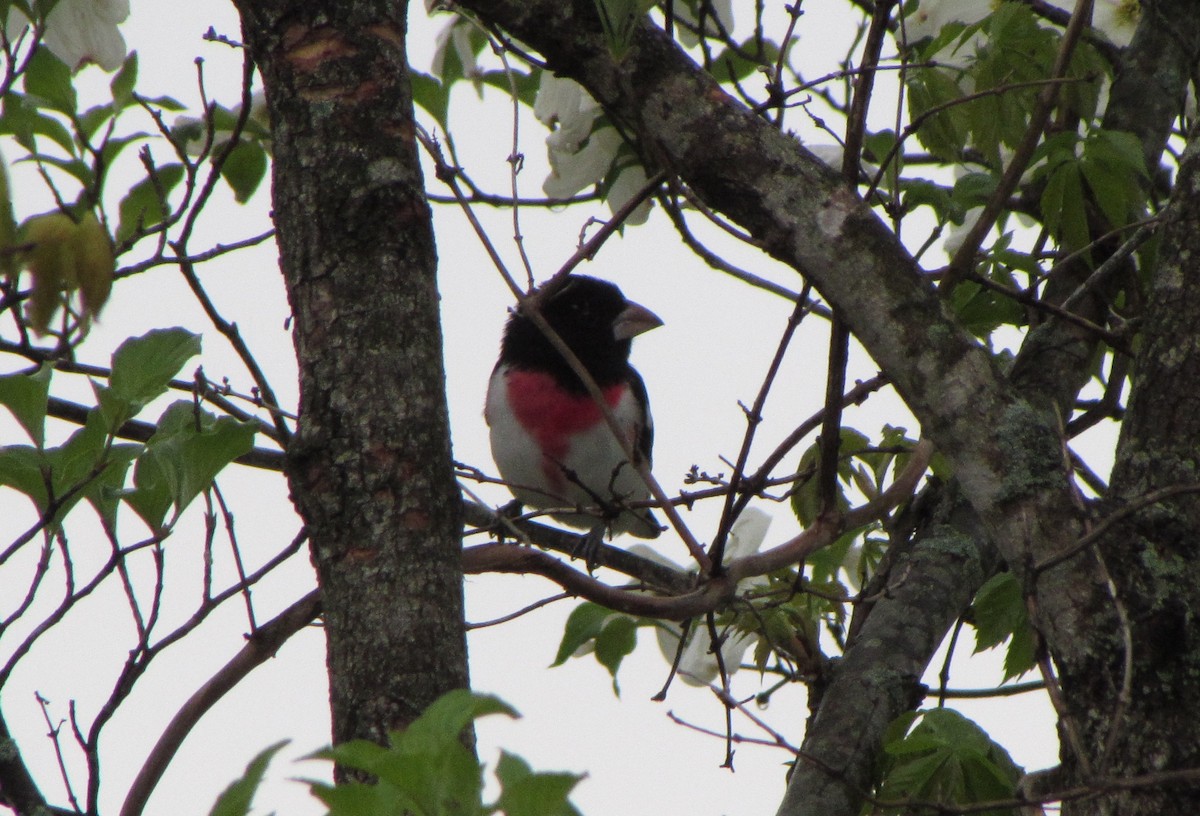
x=525, y=610
x=1103, y=526
x=753, y=419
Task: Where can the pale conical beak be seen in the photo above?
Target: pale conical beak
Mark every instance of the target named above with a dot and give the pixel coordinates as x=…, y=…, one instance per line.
x=634, y=320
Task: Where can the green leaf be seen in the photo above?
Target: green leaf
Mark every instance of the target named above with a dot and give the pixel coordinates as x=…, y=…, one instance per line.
x=1021, y=656
x=998, y=610
x=79, y=170
x=23, y=469
x=526, y=85
x=922, y=192
x=879, y=144
x=79, y=458
x=620, y=19
x=426, y=769
x=953, y=32
x=982, y=310
x=225, y=121
x=740, y=63
x=23, y=120
x=1119, y=148
x=236, y=799
x=86, y=466
x=167, y=103
x=806, y=499
x=359, y=799
x=183, y=457
x=106, y=490
x=446, y=717
x=950, y=760
x=244, y=169
x=1062, y=206
x=49, y=79
x=827, y=562
x=431, y=95
x=208, y=452
x=999, y=614
x=1113, y=166
x=26, y=396
x=583, y=624
x=142, y=367
x=143, y=206
x=616, y=640
x=151, y=494
x=1088, y=72
x=113, y=146
x=974, y=190
x=892, y=437
x=92, y=119
x=123, y=83
x=944, y=133
x=1111, y=189
x=8, y=226
x=525, y=793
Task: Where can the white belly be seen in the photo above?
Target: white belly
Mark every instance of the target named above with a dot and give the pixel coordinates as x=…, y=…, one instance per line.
x=589, y=466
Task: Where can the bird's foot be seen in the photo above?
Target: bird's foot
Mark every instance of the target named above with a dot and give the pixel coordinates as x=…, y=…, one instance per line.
x=590, y=545
x=501, y=528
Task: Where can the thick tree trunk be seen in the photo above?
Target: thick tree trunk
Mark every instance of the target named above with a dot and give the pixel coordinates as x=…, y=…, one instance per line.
x=370, y=470
x=1135, y=698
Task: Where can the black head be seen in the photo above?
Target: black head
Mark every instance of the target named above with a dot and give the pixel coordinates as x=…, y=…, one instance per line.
x=592, y=317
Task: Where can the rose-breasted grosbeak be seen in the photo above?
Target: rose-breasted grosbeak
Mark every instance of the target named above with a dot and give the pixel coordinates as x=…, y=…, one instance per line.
x=549, y=438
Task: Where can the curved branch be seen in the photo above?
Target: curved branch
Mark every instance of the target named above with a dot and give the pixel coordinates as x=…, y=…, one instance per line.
x=650, y=573
x=711, y=595
x=713, y=592
x=261, y=645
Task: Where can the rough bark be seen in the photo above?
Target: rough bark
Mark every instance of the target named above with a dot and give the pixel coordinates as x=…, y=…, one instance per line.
x=370, y=469
x=926, y=590
x=1135, y=696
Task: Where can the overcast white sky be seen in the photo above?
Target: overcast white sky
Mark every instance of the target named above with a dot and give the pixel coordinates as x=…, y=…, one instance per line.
x=711, y=353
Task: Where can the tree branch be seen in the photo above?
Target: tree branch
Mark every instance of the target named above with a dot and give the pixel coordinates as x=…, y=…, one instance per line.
x=261, y=645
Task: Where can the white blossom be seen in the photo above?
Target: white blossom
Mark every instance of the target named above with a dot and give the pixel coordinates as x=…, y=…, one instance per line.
x=581, y=150
x=698, y=664
x=1115, y=19
x=575, y=166
x=80, y=32
x=579, y=153
x=630, y=180
x=958, y=232
x=931, y=16
x=563, y=103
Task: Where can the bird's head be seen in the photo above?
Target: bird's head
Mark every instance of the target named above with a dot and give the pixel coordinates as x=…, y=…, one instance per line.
x=591, y=316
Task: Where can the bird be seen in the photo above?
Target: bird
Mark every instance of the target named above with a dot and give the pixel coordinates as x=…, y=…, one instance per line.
x=549, y=438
